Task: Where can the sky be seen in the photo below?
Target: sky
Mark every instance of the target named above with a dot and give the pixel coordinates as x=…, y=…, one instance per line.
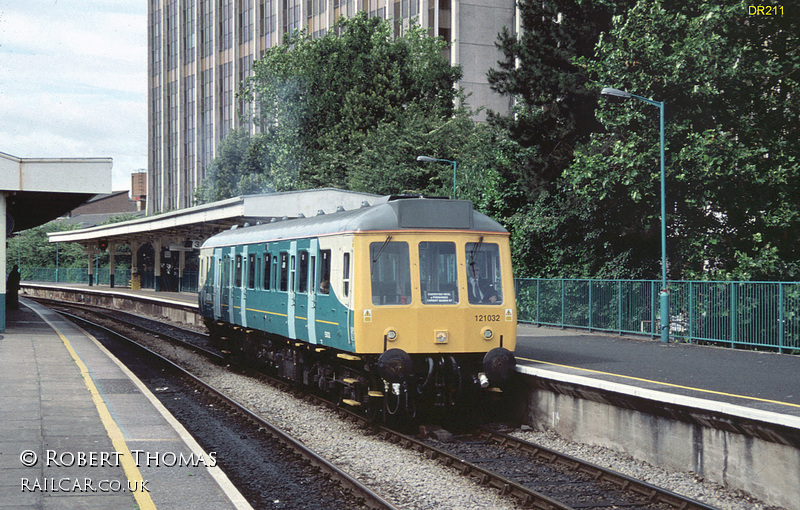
x=73, y=81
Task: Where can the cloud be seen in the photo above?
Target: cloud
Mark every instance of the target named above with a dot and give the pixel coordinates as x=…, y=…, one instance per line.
x=73, y=81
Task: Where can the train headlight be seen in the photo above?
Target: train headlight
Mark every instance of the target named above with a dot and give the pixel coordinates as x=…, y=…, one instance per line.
x=488, y=334
x=391, y=335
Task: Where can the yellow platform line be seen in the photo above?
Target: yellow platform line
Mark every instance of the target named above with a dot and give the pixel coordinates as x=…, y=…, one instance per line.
x=671, y=385
x=143, y=499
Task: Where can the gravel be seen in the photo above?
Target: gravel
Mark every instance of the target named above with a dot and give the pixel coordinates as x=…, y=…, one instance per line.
x=686, y=483
x=406, y=477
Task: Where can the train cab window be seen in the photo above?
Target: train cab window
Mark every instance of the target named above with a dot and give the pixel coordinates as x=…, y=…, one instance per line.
x=266, y=282
x=325, y=271
x=237, y=282
x=484, y=283
x=302, y=277
x=346, y=273
x=438, y=273
x=390, y=273
x=283, y=274
x=251, y=271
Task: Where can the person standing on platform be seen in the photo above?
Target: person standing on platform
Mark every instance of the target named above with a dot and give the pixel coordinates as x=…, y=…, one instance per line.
x=12, y=288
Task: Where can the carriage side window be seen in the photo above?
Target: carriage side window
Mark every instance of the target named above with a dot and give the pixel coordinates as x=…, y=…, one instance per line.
x=325, y=271
x=251, y=271
x=266, y=282
x=283, y=275
x=438, y=273
x=238, y=275
x=484, y=283
x=312, y=275
x=302, y=283
x=346, y=273
x=223, y=268
x=292, y=273
x=274, y=272
x=258, y=271
x=390, y=273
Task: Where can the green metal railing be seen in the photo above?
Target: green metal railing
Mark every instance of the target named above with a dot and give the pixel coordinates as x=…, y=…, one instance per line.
x=122, y=278
x=736, y=314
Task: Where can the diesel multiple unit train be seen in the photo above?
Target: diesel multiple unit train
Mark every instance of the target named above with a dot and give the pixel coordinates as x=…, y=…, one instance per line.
x=399, y=306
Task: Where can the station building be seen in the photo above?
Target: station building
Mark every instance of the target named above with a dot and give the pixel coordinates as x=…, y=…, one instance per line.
x=201, y=50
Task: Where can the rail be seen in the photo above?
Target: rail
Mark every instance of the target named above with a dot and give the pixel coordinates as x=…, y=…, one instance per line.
x=734, y=314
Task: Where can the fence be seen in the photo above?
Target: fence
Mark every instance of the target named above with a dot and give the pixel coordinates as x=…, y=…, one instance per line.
x=755, y=314
x=122, y=278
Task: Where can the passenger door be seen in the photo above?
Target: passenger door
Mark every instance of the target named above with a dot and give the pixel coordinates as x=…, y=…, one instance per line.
x=311, y=324
x=217, y=283
x=242, y=261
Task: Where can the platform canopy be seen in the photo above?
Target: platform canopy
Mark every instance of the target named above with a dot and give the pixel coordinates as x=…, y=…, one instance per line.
x=38, y=190
x=187, y=228
x=34, y=191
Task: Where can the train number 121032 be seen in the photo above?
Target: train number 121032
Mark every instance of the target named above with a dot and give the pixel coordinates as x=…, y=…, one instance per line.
x=487, y=318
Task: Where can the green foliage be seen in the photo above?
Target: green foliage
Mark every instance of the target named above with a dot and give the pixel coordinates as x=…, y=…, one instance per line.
x=554, y=232
x=242, y=167
x=351, y=110
x=728, y=81
x=31, y=249
x=553, y=106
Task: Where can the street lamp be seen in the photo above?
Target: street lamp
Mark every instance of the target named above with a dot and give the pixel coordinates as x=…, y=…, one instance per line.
x=428, y=159
x=663, y=295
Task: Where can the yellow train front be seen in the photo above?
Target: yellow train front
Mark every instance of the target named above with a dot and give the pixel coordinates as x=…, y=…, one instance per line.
x=404, y=305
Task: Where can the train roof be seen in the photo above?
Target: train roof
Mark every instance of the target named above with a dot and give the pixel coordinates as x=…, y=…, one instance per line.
x=388, y=213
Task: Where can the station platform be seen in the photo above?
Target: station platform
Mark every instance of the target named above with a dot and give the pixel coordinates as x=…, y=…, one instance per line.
x=739, y=382
x=749, y=384
x=78, y=430
x=183, y=298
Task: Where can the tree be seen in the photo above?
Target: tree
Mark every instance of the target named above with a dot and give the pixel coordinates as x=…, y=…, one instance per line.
x=324, y=104
x=31, y=249
x=729, y=82
x=553, y=107
x=554, y=231
x=243, y=166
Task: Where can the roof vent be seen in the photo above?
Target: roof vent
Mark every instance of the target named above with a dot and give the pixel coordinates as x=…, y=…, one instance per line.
x=364, y=204
x=339, y=209
x=301, y=215
x=246, y=224
x=273, y=220
x=320, y=212
x=234, y=227
x=285, y=218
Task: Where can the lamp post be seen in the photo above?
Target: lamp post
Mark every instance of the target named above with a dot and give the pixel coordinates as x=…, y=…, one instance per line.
x=663, y=295
x=428, y=159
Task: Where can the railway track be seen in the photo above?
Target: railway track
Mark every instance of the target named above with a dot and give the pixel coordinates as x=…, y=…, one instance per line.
x=535, y=476
x=352, y=492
